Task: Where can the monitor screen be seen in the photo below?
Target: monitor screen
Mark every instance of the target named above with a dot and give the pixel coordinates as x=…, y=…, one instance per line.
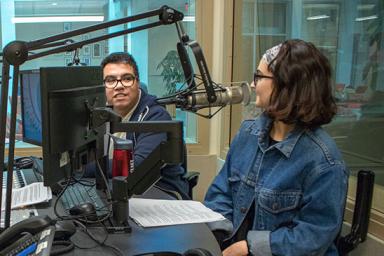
x=31, y=106
x=68, y=94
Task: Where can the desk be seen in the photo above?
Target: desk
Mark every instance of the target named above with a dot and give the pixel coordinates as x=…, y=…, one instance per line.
x=172, y=239
x=178, y=238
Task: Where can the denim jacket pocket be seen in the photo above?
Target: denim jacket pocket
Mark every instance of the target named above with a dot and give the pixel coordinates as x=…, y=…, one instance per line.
x=278, y=201
x=276, y=208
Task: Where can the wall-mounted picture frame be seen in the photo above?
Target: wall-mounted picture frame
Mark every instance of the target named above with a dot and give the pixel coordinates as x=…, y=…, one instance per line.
x=86, y=50
x=87, y=61
x=96, y=50
x=67, y=61
x=106, y=49
x=67, y=26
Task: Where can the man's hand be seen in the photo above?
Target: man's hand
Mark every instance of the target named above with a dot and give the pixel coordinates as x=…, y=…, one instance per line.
x=237, y=249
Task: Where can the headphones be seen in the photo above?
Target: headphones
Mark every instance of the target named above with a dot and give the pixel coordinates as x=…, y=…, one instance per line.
x=190, y=252
x=20, y=163
x=197, y=252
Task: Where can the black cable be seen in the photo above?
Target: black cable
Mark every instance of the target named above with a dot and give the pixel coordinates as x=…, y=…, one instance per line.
x=58, y=198
x=71, y=181
x=68, y=246
x=86, y=183
x=68, y=217
x=99, y=243
x=108, y=192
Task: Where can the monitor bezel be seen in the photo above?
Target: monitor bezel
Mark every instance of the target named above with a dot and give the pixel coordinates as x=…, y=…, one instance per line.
x=23, y=114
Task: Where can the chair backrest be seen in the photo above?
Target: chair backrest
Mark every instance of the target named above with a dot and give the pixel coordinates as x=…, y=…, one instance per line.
x=361, y=213
x=192, y=177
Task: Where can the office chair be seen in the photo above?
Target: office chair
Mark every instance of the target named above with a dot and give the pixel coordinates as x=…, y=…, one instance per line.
x=361, y=212
x=192, y=177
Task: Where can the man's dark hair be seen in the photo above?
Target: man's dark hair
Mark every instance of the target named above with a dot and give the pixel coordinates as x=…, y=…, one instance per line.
x=302, y=92
x=121, y=57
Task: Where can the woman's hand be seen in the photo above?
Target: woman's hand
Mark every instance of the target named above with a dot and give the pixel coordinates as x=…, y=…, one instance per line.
x=237, y=249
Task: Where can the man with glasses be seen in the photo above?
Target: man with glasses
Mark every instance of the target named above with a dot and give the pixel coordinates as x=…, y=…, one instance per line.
x=122, y=88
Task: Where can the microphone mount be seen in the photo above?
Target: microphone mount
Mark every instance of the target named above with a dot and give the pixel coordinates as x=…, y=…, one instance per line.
x=181, y=99
x=194, y=99
x=200, y=60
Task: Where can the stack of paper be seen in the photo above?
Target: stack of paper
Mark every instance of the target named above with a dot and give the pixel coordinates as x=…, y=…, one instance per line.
x=28, y=195
x=153, y=213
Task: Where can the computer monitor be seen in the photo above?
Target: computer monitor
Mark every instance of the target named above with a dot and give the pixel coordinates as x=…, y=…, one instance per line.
x=31, y=106
x=67, y=95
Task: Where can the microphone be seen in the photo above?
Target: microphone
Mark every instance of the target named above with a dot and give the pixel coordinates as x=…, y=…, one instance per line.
x=198, y=99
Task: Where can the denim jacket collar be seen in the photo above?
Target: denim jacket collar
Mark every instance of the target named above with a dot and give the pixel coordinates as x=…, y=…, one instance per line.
x=262, y=128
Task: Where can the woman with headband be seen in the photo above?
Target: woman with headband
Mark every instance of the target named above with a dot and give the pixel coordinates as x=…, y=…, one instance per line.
x=283, y=185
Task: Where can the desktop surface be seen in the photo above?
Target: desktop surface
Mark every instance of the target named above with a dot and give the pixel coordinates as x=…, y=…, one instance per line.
x=177, y=238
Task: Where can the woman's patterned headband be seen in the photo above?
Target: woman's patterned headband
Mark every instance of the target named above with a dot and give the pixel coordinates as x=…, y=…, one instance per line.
x=270, y=55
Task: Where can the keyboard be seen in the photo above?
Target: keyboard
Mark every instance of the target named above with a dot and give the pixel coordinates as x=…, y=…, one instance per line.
x=20, y=214
x=18, y=179
x=77, y=193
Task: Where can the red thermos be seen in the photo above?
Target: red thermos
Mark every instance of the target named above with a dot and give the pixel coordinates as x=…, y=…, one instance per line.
x=122, y=162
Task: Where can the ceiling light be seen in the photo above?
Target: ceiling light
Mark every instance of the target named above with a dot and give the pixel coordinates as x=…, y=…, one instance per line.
x=366, y=18
x=318, y=17
x=189, y=18
x=57, y=19
x=363, y=7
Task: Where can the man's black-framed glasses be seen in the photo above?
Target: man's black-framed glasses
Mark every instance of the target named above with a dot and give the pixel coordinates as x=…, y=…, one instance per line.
x=257, y=76
x=126, y=80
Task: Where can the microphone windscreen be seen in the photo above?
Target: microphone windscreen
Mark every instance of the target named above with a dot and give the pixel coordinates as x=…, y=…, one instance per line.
x=246, y=91
x=239, y=94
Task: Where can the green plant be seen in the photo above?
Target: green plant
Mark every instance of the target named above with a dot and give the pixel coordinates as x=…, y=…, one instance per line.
x=172, y=72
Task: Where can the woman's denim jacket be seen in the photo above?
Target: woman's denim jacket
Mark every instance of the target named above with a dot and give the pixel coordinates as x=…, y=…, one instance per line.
x=299, y=187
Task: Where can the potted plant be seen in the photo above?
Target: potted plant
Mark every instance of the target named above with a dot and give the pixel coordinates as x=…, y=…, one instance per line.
x=172, y=74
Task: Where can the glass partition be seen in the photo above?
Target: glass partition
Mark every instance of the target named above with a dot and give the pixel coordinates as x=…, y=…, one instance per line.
x=351, y=34
x=29, y=20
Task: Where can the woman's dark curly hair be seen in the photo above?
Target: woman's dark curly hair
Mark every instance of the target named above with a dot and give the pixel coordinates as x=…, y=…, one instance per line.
x=302, y=93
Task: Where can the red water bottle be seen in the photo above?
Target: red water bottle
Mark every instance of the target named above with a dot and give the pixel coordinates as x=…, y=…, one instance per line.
x=122, y=162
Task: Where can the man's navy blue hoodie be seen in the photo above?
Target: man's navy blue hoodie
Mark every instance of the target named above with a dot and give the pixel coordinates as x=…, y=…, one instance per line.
x=144, y=143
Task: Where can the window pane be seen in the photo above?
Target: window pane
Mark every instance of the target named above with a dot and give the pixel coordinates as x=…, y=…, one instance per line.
x=359, y=87
x=351, y=35
x=149, y=46
x=160, y=45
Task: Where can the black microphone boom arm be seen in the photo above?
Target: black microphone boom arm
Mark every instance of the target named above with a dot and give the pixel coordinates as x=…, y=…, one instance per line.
x=17, y=52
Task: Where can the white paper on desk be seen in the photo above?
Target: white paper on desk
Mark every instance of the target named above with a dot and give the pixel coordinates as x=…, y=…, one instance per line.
x=28, y=195
x=154, y=213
